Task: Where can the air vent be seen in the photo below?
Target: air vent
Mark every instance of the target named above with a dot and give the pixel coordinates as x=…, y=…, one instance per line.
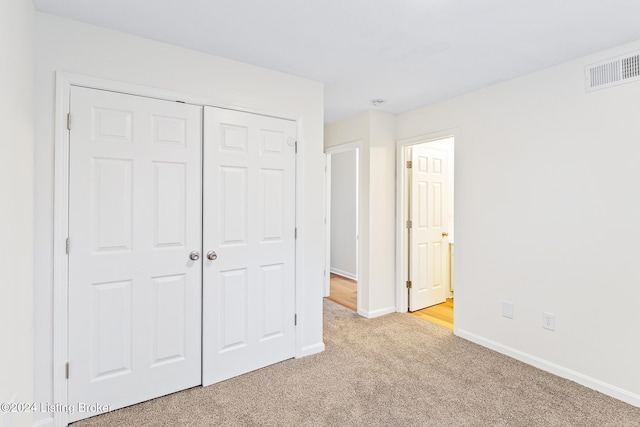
x=613, y=72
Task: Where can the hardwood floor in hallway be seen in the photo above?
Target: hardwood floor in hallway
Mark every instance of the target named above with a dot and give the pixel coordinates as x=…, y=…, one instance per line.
x=344, y=292
x=440, y=314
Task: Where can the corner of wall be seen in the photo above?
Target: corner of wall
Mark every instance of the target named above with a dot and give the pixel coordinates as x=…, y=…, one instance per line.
x=16, y=210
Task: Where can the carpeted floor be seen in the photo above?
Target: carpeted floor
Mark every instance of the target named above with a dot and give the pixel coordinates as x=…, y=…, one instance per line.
x=397, y=370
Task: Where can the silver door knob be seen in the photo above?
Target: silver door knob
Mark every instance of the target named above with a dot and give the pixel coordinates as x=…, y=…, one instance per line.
x=212, y=255
x=194, y=256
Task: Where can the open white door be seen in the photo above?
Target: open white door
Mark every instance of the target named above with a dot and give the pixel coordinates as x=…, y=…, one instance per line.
x=134, y=218
x=249, y=223
x=429, y=244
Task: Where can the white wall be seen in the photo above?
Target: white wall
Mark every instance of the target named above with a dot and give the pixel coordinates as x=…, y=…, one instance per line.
x=547, y=212
x=16, y=208
x=343, y=214
x=382, y=234
x=80, y=48
x=376, y=243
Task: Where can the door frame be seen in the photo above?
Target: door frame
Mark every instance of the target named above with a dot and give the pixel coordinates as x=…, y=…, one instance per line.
x=64, y=82
x=402, y=293
x=349, y=146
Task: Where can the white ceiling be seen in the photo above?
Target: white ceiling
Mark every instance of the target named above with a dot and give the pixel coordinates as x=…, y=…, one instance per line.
x=407, y=52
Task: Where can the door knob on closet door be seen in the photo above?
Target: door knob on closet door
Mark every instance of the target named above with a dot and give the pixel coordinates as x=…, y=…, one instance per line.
x=445, y=234
x=212, y=255
x=194, y=256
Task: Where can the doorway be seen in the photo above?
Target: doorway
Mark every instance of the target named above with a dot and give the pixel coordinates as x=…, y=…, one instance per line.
x=148, y=312
x=342, y=170
x=427, y=234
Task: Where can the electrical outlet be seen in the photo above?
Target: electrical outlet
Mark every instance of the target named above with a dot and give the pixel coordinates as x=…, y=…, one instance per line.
x=507, y=310
x=549, y=321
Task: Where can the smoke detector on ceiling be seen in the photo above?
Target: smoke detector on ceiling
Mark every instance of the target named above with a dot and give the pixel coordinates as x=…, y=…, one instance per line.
x=613, y=72
x=377, y=102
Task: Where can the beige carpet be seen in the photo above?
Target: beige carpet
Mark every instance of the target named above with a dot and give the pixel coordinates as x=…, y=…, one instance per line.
x=397, y=370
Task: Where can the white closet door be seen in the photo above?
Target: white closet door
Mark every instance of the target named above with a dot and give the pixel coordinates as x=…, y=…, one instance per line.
x=134, y=218
x=429, y=245
x=249, y=222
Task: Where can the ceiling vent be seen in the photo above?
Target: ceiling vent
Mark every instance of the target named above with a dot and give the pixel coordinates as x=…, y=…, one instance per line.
x=613, y=72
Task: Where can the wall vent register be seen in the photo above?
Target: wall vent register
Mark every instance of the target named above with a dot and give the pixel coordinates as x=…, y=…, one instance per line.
x=613, y=72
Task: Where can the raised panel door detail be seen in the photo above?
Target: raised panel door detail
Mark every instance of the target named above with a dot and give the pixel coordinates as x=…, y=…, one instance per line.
x=249, y=220
x=423, y=205
x=436, y=271
x=437, y=166
x=233, y=309
x=233, y=203
x=272, y=205
x=135, y=213
x=272, y=286
x=233, y=138
x=170, y=131
x=428, y=212
x=112, y=205
x=422, y=281
x=169, y=207
x=169, y=319
x=272, y=142
x=436, y=205
x=423, y=164
x=112, y=125
x=111, y=330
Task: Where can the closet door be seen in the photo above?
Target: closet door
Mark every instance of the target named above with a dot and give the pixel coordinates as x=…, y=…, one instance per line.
x=249, y=242
x=135, y=233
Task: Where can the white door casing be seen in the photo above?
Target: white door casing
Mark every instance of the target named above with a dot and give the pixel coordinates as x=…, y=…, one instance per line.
x=134, y=217
x=249, y=222
x=429, y=246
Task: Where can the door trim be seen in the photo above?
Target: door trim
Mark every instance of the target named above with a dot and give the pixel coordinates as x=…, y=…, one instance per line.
x=64, y=82
x=402, y=294
x=348, y=146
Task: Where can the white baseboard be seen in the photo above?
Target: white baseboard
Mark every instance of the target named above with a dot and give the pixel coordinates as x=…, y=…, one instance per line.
x=344, y=273
x=376, y=313
x=561, y=371
x=310, y=349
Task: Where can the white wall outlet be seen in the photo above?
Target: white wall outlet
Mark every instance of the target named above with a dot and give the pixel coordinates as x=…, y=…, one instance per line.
x=507, y=309
x=549, y=321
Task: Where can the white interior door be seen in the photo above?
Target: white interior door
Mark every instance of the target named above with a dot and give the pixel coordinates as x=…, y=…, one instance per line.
x=429, y=244
x=134, y=217
x=249, y=212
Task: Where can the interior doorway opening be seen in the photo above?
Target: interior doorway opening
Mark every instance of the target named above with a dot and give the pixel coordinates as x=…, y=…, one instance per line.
x=342, y=201
x=426, y=213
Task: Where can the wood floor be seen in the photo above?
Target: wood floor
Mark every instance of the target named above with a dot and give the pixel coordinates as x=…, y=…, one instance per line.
x=344, y=292
x=440, y=314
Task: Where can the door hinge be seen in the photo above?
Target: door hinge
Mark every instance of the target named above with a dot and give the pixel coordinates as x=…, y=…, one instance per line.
x=67, y=245
x=68, y=121
x=409, y=284
x=409, y=224
x=66, y=370
x=295, y=233
x=409, y=164
x=296, y=145
x=295, y=320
